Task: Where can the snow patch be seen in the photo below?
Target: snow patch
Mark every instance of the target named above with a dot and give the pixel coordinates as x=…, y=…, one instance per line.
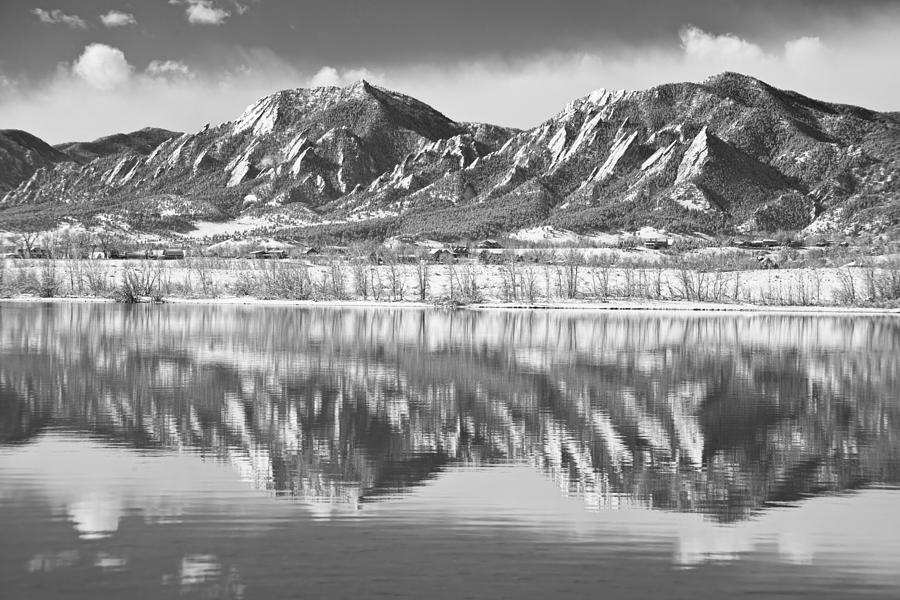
x=239, y=225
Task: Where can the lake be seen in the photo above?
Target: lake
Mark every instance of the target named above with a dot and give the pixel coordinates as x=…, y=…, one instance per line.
x=281, y=452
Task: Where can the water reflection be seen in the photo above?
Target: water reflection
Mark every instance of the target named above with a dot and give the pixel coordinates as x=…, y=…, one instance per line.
x=728, y=417
x=719, y=415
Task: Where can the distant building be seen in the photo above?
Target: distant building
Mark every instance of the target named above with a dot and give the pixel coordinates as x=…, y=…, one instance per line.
x=166, y=253
x=441, y=255
x=765, y=243
x=35, y=252
x=656, y=243
x=268, y=254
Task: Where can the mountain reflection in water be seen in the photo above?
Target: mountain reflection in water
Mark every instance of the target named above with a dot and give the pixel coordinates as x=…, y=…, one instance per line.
x=729, y=417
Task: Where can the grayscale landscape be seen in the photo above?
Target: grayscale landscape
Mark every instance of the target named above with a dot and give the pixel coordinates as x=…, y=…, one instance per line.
x=476, y=300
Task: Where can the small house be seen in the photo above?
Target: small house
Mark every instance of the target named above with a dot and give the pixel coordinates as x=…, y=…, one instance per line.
x=441, y=255
x=656, y=243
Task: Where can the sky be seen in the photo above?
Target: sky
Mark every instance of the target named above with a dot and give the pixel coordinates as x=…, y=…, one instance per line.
x=77, y=70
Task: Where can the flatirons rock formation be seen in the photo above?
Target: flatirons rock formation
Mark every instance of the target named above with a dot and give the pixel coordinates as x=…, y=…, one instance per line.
x=728, y=154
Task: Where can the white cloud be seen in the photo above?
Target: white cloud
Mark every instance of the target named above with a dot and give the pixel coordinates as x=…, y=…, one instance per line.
x=204, y=12
x=72, y=105
x=803, y=50
x=729, y=52
x=168, y=68
x=329, y=76
x=114, y=18
x=698, y=44
x=102, y=66
x=57, y=16
x=7, y=84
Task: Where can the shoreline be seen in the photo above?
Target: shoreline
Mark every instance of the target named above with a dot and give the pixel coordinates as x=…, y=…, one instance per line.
x=611, y=306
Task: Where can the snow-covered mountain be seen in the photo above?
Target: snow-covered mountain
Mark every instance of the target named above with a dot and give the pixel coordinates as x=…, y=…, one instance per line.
x=730, y=153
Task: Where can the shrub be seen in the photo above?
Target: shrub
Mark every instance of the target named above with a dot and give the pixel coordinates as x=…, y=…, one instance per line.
x=600, y=269
x=48, y=282
x=286, y=281
x=334, y=280
x=528, y=283
x=139, y=283
x=96, y=278
x=464, y=284
x=4, y=289
x=396, y=277
x=201, y=269
x=847, y=292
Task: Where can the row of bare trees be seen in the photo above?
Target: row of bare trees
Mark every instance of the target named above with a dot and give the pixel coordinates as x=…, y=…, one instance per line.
x=597, y=279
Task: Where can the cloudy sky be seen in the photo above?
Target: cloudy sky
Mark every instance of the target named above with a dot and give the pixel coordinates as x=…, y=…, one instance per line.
x=77, y=70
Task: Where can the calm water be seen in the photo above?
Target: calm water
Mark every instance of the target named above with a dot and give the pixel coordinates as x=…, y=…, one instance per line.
x=232, y=452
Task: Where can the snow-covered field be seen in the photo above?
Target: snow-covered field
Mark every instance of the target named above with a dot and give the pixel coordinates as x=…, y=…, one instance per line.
x=206, y=229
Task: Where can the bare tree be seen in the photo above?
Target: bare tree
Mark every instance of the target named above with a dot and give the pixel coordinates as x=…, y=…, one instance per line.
x=423, y=273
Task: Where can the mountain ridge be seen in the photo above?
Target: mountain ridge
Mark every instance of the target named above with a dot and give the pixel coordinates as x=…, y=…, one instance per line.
x=730, y=153
x=22, y=153
x=142, y=141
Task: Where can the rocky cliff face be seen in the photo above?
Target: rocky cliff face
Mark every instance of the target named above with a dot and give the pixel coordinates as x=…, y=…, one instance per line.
x=730, y=153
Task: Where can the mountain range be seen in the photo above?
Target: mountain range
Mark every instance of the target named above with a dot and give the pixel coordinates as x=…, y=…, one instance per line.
x=730, y=154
